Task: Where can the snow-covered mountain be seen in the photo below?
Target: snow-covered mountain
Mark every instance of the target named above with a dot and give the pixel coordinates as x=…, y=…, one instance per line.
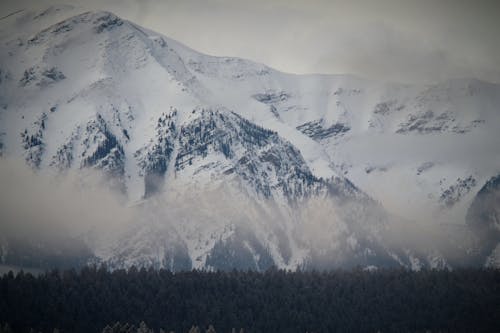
x=483, y=217
x=232, y=163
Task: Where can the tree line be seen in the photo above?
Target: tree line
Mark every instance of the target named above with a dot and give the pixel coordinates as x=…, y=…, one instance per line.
x=95, y=299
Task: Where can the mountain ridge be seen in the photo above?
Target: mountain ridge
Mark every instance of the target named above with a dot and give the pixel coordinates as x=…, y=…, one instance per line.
x=155, y=116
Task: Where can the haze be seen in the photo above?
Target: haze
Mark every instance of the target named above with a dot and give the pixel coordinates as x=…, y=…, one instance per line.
x=405, y=41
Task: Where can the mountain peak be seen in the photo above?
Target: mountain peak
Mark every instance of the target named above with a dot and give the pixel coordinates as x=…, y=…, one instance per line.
x=161, y=122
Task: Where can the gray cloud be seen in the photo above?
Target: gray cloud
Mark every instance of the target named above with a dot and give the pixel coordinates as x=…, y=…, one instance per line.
x=390, y=40
x=40, y=203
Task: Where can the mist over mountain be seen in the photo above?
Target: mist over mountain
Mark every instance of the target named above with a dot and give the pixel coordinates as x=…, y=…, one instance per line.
x=122, y=146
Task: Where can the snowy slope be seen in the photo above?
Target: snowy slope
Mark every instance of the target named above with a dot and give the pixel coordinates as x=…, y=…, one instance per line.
x=167, y=125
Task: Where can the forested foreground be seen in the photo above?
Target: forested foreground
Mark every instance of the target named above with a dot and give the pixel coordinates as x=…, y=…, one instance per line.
x=95, y=299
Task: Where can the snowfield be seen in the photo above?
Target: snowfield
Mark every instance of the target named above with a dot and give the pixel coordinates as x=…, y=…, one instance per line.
x=234, y=164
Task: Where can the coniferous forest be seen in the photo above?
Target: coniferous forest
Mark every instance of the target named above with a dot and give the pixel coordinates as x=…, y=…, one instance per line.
x=97, y=300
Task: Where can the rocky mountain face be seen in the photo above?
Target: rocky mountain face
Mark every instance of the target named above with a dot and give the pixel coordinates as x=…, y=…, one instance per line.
x=231, y=164
x=483, y=217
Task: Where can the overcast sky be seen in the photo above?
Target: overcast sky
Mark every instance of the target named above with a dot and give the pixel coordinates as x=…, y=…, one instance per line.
x=397, y=40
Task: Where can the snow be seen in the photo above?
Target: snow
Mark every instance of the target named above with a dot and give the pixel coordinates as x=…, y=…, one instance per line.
x=130, y=76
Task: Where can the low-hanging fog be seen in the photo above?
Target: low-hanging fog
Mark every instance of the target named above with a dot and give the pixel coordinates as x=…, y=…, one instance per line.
x=49, y=208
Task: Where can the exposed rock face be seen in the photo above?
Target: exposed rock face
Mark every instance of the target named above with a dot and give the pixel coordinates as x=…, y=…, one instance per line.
x=483, y=218
x=317, y=131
